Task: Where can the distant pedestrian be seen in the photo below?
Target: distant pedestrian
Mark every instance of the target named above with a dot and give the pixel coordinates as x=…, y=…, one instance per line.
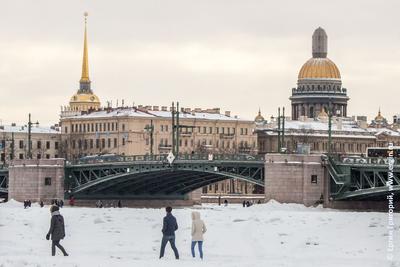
x=41, y=204
x=61, y=202
x=198, y=229
x=219, y=200
x=56, y=231
x=25, y=204
x=259, y=201
x=29, y=203
x=226, y=202
x=119, y=204
x=169, y=227
x=244, y=204
x=99, y=204
x=248, y=203
x=72, y=201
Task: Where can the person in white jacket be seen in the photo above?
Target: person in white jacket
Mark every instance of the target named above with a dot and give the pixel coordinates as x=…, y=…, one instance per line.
x=198, y=229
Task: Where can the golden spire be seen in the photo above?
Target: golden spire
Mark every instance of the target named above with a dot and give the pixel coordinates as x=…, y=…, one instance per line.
x=85, y=62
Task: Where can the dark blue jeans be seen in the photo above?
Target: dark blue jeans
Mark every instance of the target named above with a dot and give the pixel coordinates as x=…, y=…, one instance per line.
x=200, y=248
x=171, y=240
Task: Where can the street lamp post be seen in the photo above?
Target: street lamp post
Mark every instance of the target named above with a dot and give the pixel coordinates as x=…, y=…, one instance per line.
x=30, y=136
x=150, y=129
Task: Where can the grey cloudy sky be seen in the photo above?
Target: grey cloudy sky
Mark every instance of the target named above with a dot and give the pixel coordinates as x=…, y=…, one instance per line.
x=237, y=55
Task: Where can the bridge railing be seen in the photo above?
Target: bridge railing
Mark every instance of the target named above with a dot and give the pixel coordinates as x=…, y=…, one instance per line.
x=365, y=161
x=163, y=158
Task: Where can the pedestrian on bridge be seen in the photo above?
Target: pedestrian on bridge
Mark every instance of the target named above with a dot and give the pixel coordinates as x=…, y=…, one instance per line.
x=198, y=229
x=169, y=227
x=56, y=231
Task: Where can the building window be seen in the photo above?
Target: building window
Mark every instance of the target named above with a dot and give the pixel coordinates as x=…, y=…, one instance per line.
x=55, y=145
x=123, y=127
x=115, y=142
x=109, y=142
x=39, y=144
x=47, y=156
x=314, y=179
x=47, y=181
x=166, y=128
x=162, y=128
x=123, y=141
x=38, y=156
x=66, y=129
x=217, y=130
x=103, y=143
x=97, y=143
x=21, y=156
x=47, y=144
x=91, y=143
x=210, y=130
x=21, y=144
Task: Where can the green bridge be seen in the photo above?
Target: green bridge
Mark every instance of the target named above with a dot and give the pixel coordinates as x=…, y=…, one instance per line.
x=362, y=178
x=154, y=177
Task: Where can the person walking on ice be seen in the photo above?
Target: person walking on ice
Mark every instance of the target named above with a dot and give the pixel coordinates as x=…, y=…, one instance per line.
x=56, y=231
x=169, y=227
x=198, y=229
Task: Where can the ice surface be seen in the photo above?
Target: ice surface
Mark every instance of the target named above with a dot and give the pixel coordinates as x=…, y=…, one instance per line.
x=271, y=234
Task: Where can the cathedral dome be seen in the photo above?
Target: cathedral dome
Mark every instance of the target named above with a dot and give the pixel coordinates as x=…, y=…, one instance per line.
x=319, y=68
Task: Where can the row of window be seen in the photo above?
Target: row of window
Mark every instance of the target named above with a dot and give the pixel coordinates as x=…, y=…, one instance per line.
x=96, y=143
x=94, y=127
x=39, y=144
x=218, y=143
x=113, y=126
x=23, y=156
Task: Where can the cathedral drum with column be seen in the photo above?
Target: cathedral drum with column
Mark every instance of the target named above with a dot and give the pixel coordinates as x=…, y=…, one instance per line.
x=319, y=85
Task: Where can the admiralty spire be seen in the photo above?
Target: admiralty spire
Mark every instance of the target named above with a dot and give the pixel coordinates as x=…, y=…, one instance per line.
x=84, y=99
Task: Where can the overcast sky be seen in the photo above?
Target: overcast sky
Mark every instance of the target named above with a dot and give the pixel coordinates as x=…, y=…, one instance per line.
x=236, y=55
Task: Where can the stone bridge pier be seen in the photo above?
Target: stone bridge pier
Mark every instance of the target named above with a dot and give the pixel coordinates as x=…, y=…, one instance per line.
x=36, y=180
x=291, y=178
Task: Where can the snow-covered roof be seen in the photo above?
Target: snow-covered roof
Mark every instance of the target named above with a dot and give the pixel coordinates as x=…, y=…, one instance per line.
x=132, y=112
x=24, y=129
x=345, y=128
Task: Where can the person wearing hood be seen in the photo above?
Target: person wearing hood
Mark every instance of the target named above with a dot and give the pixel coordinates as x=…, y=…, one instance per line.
x=56, y=231
x=198, y=229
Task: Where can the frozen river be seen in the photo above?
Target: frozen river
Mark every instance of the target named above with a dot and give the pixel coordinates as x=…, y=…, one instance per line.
x=270, y=234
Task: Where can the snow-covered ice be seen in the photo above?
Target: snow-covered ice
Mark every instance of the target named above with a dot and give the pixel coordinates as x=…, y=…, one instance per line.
x=270, y=234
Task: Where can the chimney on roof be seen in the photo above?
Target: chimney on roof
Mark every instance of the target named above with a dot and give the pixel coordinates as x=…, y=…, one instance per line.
x=227, y=113
x=148, y=107
x=13, y=124
x=155, y=108
x=217, y=110
x=164, y=108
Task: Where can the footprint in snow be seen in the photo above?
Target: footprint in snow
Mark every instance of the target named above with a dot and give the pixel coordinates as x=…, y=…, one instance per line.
x=98, y=220
x=238, y=220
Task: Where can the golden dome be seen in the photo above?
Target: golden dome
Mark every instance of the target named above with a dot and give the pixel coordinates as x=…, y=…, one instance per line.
x=379, y=117
x=84, y=98
x=259, y=117
x=319, y=68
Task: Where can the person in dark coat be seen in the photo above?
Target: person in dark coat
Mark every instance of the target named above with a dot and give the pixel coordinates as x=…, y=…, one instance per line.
x=244, y=204
x=61, y=203
x=41, y=204
x=169, y=227
x=119, y=204
x=56, y=231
